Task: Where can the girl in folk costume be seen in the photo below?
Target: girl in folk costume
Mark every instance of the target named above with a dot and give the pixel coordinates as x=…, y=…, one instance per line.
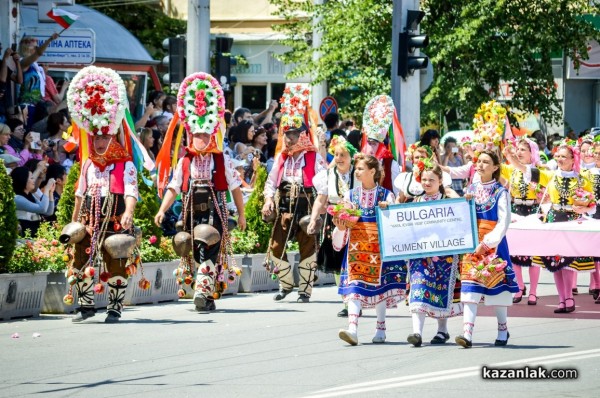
x=366, y=281
x=525, y=201
x=203, y=176
x=332, y=184
x=571, y=195
x=593, y=175
x=378, y=117
x=106, y=196
x=434, y=281
x=488, y=273
x=289, y=195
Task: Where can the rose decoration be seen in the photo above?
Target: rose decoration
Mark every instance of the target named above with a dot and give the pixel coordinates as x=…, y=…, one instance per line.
x=201, y=103
x=97, y=100
x=581, y=197
x=294, y=100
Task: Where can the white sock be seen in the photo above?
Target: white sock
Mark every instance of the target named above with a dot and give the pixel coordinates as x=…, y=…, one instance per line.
x=380, y=311
x=353, y=312
x=442, y=325
x=502, y=316
x=469, y=315
x=418, y=321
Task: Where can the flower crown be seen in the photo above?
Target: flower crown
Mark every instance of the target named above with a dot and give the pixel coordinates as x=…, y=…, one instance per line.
x=488, y=126
x=421, y=166
x=294, y=100
x=200, y=103
x=378, y=117
x=291, y=122
x=417, y=145
x=340, y=142
x=97, y=100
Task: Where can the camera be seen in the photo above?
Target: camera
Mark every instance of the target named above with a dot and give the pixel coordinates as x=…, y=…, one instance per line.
x=14, y=47
x=455, y=149
x=51, y=144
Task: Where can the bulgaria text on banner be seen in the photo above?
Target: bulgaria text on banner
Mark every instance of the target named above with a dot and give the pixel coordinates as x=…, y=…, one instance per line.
x=427, y=229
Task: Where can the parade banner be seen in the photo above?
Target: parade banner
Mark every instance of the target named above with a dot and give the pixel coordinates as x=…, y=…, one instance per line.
x=435, y=228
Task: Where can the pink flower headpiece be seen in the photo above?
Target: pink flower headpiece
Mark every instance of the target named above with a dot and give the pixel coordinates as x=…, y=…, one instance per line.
x=201, y=103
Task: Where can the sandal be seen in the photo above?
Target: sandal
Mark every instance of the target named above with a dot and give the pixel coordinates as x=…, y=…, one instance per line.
x=534, y=301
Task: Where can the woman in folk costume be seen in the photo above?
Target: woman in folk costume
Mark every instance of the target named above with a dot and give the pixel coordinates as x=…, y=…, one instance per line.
x=434, y=281
x=106, y=195
x=332, y=184
x=378, y=117
x=203, y=176
x=571, y=196
x=525, y=200
x=487, y=273
x=593, y=176
x=366, y=281
x=406, y=183
x=290, y=194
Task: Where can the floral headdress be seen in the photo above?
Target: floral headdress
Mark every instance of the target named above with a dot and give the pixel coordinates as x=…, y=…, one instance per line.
x=97, y=100
x=421, y=166
x=201, y=103
x=378, y=117
x=340, y=142
x=294, y=109
x=533, y=148
x=417, y=145
x=488, y=126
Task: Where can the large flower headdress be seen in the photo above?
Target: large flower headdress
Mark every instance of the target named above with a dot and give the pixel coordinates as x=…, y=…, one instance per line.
x=488, y=126
x=378, y=117
x=200, y=103
x=97, y=100
x=294, y=105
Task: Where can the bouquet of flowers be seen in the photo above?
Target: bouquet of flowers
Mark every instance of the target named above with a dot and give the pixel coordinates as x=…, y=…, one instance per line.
x=485, y=270
x=201, y=103
x=345, y=212
x=581, y=197
x=488, y=126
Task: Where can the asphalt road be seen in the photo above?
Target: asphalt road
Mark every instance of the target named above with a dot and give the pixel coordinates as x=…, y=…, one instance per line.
x=254, y=347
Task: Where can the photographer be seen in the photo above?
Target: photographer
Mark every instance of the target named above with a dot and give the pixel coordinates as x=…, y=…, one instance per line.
x=57, y=125
x=453, y=158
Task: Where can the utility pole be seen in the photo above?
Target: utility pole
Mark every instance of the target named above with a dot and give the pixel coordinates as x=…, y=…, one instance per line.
x=198, y=36
x=319, y=90
x=406, y=93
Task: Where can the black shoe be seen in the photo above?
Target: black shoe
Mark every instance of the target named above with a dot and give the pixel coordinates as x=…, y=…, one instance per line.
x=438, y=339
x=303, y=298
x=560, y=310
x=210, y=305
x=415, y=339
x=281, y=295
x=571, y=308
x=533, y=301
x=595, y=293
x=463, y=342
x=83, y=314
x=112, y=317
x=200, y=303
x=575, y=291
x=343, y=313
x=502, y=343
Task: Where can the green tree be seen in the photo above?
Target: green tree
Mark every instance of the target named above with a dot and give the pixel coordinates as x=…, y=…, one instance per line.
x=146, y=21
x=146, y=209
x=253, y=209
x=8, y=219
x=66, y=204
x=474, y=44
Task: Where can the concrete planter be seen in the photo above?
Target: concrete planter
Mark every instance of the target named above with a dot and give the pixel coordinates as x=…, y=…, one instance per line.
x=22, y=295
x=163, y=284
x=255, y=277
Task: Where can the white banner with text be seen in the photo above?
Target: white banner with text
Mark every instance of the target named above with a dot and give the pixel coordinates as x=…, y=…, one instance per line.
x=427, y=229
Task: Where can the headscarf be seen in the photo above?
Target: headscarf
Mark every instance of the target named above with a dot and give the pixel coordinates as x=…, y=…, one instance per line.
x=534, y=149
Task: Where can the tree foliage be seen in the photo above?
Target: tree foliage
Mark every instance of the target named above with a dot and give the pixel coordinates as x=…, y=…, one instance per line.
x=474, y=44
x=254, y=222
x=146, y=21
x=66, y=204
x=146, y=209
x=8, y=219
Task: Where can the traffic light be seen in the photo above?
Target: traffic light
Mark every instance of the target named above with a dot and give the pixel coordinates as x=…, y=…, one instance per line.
x=175, y=61
x=410, y=41
x=223, y=62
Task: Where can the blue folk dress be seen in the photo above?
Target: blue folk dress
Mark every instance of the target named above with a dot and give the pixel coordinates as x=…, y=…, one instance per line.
x=435, y=282
x=492, y=206
x=364, y=277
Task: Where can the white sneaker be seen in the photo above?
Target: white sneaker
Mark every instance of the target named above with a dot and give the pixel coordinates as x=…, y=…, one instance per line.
x=378, y=339
x=348, y=336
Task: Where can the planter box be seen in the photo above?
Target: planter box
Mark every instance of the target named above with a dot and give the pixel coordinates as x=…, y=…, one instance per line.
x=255, y=277
x=57, y=288
x=22, y=295
x=163, y=284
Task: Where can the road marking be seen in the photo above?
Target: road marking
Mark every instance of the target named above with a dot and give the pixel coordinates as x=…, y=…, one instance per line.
x=448, y=374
